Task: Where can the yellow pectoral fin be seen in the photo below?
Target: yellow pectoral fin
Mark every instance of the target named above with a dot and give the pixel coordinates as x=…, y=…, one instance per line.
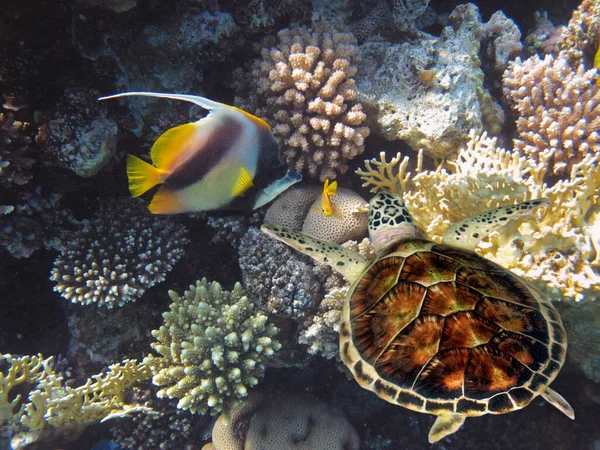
x=332, y=188
x=169, y=146
x=141, y=175
x=242, y=184
x=597, y=59
x=165, y=201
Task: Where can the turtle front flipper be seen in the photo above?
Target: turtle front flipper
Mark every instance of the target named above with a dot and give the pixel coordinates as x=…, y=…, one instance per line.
x=347, y=262
x=467, y=233
x=445, y=425
x=558, y=401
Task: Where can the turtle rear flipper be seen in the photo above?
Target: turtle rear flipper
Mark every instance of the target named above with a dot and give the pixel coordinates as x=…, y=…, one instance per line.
x=467, y=233
x=347, y=262
x=445, y=425
x=558, y=401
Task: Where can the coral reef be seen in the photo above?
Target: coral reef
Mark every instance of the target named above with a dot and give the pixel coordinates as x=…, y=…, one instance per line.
x=278, y=422
x=320, y=332
x=430, y=91
x=168, y=429
x=122, y=251
x=377, y=22
x=15, y=151
x=304, y=86
x=300, y=208
x=406, y=13
x=36, y=220
x=581, y=34
x=77, y=134
x=231, y=229
x=277, y=278
x=211, y=348
x=556, y=250
x=558, y=104
x=33, y=396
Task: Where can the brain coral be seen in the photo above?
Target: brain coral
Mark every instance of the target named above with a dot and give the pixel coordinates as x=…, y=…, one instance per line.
x=211, y=348
x=304, y=86
x=117, y=255
x=559, y=105
x=299, y=208
x=285, y=421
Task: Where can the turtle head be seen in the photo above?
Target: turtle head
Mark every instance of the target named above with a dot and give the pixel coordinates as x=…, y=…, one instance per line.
x=390, y=221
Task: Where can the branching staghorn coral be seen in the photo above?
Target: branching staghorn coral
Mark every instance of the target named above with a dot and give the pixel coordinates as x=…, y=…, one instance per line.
x=122, y=251
x=211, y=348
x=559, y=107
x=304, y=87
x=557, y=250
x=33, y=395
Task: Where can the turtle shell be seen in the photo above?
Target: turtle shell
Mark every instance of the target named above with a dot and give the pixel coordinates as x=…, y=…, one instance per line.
x=441, y=330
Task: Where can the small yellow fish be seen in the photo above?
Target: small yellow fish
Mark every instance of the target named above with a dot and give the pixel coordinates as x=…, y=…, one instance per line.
x=328, y=190
x=226, y=160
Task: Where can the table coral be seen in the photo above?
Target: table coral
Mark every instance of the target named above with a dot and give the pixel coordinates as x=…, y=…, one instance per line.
x=558, y=104
x=211, y=348
x=304, y=86
x=33, y=395
x=555, y=250
x=430, y=91
x=122, y=251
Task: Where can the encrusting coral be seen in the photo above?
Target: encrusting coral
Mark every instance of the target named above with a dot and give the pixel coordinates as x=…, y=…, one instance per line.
x=118, y=254
x=211, y=348
x=304, y=86
x=558, y=103
x=33, y=396
x=557, y=250
x=15, y=151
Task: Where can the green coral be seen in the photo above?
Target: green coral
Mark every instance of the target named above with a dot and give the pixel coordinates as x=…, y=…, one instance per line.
x=211, y=347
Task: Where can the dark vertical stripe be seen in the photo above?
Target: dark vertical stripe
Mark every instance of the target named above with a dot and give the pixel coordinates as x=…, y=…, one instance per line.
x=216, y=148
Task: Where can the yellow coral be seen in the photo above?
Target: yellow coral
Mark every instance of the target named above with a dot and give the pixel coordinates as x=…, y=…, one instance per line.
x=51, y=401
x=556, y=251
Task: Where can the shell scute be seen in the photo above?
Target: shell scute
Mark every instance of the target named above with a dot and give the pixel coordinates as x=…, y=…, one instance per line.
x=466, y=258
x=376, y=328
x=403, y=360
x=429, y=268
x=526, y=350
x=375, y=284
x=503, y=286
x=443, y=377
x=515, y=318
x=468, y=330
x=447, y=298
x=491, y=371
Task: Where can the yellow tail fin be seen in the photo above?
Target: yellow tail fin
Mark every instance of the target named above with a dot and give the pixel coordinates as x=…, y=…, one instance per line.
x=165, y=201
x=141, y=175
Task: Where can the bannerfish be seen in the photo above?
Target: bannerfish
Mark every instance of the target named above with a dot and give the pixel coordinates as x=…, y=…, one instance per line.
x=328, y=190
x=228, y=160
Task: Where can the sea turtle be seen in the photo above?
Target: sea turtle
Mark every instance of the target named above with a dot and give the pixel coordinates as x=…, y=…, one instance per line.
x=435, y=327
